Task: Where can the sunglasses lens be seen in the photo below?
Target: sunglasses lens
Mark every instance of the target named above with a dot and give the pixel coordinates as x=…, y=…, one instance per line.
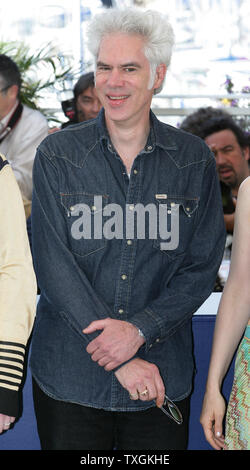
x=172, y=410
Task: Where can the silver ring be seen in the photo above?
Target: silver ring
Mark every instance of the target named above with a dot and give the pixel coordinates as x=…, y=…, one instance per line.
x=145, y=392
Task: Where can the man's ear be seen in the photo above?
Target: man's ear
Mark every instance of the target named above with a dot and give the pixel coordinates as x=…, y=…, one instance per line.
x=161, y=71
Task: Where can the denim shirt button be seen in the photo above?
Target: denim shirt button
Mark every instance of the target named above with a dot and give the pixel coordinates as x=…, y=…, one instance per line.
x=135, y=172
x=124, y=277
x=120, y=310
x=129, y=242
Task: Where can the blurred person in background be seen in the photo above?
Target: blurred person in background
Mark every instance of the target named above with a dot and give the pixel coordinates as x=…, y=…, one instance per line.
x=230, y=146
x=21, y=128
x=85, y=104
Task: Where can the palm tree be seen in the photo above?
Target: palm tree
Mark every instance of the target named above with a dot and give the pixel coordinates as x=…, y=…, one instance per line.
x=43, y=63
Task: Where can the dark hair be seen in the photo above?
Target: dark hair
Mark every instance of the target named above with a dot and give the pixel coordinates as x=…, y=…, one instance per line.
x=207, y=121
x=9, y=72
x=84, y=82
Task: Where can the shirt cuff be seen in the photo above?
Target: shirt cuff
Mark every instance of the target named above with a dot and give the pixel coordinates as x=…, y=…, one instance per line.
x=148, y=323
x=9, y=402
x=12, y=356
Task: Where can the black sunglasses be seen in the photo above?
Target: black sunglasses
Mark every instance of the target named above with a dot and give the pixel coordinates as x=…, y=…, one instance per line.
x=171, y=410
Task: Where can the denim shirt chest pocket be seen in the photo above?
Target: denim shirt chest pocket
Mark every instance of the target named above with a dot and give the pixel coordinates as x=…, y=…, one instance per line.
x=176, y=222
x=84, y=218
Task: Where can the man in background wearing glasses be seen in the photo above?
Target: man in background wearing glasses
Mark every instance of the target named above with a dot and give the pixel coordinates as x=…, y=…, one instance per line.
x=113, y=328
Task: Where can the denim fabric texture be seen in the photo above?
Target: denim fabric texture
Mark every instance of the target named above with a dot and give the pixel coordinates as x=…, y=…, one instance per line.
x=82, y=280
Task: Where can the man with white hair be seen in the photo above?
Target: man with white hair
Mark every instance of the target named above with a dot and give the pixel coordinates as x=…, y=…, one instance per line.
x=112, y=342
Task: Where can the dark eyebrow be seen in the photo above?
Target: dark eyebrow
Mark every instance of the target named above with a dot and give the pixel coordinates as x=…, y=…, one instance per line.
x=101, y=63
x=129, y=64
x=227, y=147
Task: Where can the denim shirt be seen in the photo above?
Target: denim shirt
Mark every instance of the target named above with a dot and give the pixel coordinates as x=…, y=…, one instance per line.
x=85, y=275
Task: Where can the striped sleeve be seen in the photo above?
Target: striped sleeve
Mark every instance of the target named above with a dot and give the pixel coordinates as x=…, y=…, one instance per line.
x=11, y=373
x=17, y=290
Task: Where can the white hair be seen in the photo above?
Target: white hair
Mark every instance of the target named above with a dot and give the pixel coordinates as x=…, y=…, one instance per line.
x=151, y=25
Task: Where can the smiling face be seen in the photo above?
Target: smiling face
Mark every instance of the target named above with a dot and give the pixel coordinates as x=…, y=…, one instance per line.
x=122, y=79
x=231, y=159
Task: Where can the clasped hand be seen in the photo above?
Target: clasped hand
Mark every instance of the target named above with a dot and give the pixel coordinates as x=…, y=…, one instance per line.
x=117, y=343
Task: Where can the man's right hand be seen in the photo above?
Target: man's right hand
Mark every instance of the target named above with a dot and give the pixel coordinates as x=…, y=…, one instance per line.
x=142, y=380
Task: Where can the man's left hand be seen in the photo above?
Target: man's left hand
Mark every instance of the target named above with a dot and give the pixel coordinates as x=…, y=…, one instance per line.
x=118, y=342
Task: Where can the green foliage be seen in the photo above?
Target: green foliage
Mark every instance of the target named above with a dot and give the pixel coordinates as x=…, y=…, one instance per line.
x=43, y=63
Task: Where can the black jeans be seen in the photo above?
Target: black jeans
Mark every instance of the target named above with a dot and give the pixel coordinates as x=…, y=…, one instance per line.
x=68, y=426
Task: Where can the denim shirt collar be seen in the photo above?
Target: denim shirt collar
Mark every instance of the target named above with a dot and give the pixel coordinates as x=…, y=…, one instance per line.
x=156, y=137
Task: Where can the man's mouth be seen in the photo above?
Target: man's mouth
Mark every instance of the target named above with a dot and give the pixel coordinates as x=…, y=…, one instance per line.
x=225, y=173
x=117, y=98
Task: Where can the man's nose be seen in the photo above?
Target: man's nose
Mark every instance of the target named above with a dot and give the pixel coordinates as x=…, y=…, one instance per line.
x=115, y=78
x=219, y=158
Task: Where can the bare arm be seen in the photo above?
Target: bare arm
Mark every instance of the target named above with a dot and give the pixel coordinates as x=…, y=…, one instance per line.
x=232, y=318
